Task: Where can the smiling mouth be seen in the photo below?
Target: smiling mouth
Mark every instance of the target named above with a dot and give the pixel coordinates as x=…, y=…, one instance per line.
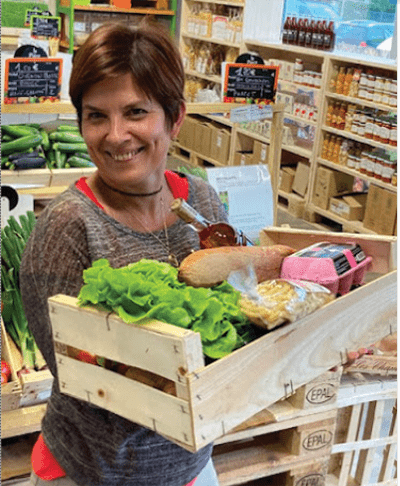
x=127, y=155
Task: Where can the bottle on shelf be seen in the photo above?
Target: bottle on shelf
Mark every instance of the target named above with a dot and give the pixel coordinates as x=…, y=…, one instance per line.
x=211, y=235
x=285, y=31
x=294, y=31
x=309, y=33
x=302, y=29
x=316, y=34
x=329, y=36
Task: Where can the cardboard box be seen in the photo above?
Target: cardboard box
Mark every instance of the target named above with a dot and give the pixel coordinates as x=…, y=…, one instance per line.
x=260, y=152
x=187, y=132
x=330, y=183
x=286, y=178
x=220, y=143
x=203, y=139
x=300, y=183
x=381, y=210
x=243, y=157
x=351, y=207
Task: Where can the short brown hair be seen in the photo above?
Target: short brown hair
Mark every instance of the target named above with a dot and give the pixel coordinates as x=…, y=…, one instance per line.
x=147, y=51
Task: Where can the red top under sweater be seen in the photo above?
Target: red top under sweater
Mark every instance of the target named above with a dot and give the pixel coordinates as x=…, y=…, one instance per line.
x=44, y=464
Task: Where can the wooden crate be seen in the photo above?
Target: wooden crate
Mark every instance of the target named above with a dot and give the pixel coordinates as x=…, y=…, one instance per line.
x=11, y=391
x=34, y=387
x=365, y=448
x=211, y=400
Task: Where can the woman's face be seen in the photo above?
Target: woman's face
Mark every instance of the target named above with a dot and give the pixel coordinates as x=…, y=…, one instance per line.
x=126, y=134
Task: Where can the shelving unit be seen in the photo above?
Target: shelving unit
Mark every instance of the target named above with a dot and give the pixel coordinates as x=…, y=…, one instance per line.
x=67, y=9
x=295, y=151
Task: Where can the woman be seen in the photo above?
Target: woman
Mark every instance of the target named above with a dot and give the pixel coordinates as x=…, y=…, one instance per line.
x=127, y=87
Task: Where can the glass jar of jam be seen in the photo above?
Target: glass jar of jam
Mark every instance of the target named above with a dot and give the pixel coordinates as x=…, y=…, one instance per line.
x=385, y=131
x=364, y=162
x=393, y=134
x=378, y=168
x=369, y=127
x=388, y=169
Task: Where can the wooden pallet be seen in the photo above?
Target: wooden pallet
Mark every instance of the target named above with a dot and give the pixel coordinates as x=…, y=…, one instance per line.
x=365, y=449
x=211, y=400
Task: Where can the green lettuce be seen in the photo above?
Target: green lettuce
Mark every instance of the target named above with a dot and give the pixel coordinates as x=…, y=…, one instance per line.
x=150, y=289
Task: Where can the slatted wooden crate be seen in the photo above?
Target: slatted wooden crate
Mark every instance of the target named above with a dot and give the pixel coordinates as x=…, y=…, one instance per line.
x=11, y=391
x=211, y=400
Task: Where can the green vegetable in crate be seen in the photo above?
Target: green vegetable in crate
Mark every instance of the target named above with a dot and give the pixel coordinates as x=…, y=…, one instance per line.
x=18, y=131
x=75, y=161
x=151, y=289
x=45, y=141
x=67, y=137
x=69, y=147
x=13, y=240
x=21, y=144
x=68, y=128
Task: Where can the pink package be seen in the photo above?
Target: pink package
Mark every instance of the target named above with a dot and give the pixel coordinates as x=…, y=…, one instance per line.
x=335, y=266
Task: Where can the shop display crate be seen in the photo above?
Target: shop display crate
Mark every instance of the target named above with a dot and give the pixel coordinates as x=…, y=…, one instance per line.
x=212, y=399
x=10, y=391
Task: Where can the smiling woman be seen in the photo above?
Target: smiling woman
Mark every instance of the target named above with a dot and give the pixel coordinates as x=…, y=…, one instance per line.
x=127, y=87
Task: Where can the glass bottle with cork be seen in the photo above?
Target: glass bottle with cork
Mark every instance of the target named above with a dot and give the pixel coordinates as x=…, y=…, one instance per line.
x=211, y=235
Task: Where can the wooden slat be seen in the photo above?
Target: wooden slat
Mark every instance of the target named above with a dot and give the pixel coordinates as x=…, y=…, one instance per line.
x=372, y=430
x=152, y=408
x=383, y=249
x=166, y=350
x=351, y=435
x=390, y=453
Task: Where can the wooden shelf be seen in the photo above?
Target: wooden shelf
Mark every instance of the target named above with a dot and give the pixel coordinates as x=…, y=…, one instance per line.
x=210, y=39
x=357, y=138
x=22, y=420
x=41, y=108
x=356, y=173
x=360, y=101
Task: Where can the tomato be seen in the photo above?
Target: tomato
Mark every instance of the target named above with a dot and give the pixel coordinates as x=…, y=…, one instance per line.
x=87, y=357
x=5, y=368
x=4, y=378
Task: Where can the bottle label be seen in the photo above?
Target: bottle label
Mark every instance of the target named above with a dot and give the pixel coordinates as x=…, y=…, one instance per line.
x=308, y=38
x=327, y=41
x=302, y=37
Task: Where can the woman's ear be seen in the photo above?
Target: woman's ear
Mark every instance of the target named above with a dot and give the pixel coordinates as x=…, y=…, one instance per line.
x=177, y=125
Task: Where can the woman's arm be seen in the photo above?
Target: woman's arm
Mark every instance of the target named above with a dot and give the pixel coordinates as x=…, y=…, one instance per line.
x=53, y=262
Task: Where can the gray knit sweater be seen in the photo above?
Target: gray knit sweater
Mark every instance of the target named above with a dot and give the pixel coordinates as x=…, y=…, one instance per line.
x=93, y=446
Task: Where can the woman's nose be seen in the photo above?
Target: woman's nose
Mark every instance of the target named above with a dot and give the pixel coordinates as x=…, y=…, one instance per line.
x=117, y=131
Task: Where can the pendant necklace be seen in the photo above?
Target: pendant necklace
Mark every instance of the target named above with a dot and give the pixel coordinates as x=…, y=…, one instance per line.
x=172, y=260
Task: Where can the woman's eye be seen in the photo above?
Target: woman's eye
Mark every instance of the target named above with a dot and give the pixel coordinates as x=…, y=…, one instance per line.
x=135, y=112
x=94, y=115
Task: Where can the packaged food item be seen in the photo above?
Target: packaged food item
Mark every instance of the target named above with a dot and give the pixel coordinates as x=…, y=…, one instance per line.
x=279, y=301
x=335, y=266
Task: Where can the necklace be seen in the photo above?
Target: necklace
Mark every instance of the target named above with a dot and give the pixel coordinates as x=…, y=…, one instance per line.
x=172, y=260
x=134, y=194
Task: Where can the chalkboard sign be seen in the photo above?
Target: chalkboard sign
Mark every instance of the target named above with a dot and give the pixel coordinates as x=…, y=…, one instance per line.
x=30, y=80
x=29, y=13
x=254, y=83
x=45, y=26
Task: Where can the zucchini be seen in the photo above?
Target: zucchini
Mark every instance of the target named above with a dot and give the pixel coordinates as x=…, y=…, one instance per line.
x=68, y=128
x=67, y=137
x=6, y=138
x=21, y=144
x=69, y=147
x=75, y=161
x=18, y=131
x=83, y=155
x=29, y=163
x=46, y=141
x=60, y=158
